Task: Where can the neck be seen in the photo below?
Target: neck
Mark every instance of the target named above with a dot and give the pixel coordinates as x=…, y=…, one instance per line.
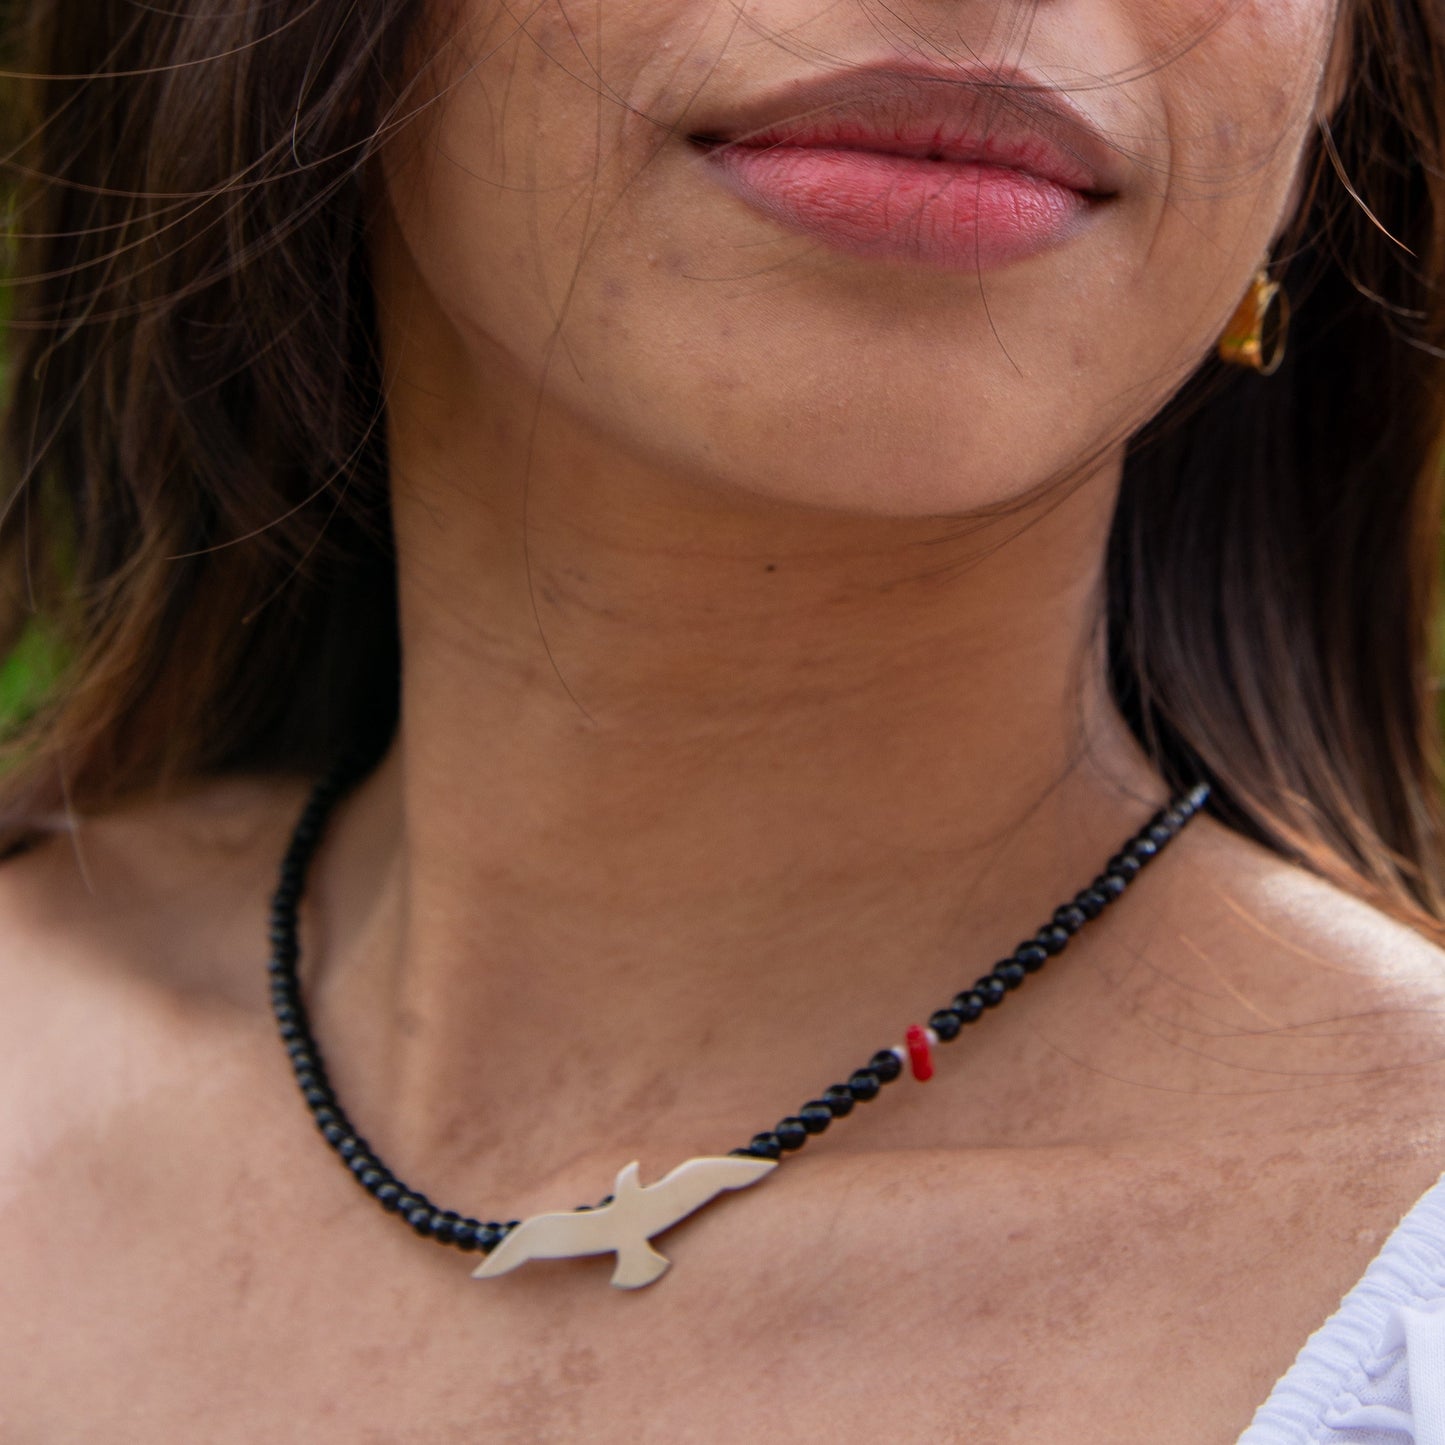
x=699, y=799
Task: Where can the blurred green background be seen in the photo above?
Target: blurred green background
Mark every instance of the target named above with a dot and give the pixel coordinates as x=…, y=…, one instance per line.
x=36, y=661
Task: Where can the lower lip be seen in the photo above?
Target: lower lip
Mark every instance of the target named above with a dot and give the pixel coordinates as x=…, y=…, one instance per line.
x=955, y=215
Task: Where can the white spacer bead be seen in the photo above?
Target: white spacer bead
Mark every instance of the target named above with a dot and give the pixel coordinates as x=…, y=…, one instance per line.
x=932, y=1037
x=900, y=1053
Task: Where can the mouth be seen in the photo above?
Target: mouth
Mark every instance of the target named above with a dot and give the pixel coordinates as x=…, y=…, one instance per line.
x=961, y=169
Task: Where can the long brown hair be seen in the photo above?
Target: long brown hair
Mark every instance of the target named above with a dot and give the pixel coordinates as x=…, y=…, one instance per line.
x=195, y=471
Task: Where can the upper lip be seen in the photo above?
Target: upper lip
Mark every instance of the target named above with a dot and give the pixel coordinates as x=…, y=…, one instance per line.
x=961, y=114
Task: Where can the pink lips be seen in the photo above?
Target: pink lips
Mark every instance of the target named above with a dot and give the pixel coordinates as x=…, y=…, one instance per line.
x=952, y=172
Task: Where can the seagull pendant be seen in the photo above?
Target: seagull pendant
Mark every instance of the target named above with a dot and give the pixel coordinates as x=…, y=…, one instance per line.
x=625, y=1224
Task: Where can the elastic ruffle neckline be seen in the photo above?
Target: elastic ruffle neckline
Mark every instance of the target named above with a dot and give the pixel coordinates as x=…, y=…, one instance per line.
x=1374, y=1372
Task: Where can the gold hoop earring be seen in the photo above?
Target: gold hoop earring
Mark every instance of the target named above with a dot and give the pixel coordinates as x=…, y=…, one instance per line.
x=1258, y=333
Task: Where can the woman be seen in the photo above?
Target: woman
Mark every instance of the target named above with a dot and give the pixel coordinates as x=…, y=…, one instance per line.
x=822, y=533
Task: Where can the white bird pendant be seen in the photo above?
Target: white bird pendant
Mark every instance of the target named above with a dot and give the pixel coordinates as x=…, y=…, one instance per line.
x=625, y=1224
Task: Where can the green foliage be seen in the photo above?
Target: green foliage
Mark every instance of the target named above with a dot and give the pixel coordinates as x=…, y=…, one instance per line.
x=32, y=667
x=29, y=674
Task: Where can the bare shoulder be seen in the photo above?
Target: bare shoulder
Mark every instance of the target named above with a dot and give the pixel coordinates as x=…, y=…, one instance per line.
x=1276, y=979
x=122, y=890
x=1252, y=899
x=119, y=933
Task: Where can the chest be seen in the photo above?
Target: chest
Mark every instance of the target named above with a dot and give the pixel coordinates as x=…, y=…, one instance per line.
x=900, y=1295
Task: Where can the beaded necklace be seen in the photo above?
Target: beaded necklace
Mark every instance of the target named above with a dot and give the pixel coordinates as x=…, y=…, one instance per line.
x=632, y=1214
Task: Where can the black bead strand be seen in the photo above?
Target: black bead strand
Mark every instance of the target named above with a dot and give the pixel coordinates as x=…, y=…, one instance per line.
x=991, y=990
x=294, y=1025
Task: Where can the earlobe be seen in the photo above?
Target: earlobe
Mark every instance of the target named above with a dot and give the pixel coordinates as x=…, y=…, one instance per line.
x=1334, y=87
x=1336, y=83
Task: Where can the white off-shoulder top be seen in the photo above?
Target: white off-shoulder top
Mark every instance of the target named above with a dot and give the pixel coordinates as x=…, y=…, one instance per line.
x=1374, y=1372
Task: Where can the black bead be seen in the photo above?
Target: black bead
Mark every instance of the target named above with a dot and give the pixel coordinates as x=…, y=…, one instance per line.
x=1125, y=866
x=885, y=1064
x=1091, y=902
x=968, y=1005
x=791, y=1132
x=946, y=1024
x=408, y=1203
x=372, y=1177
x=325, y=1115
x=1143, y=849
x=389, y=1196
x=317, y=1098
x=863, y=1085
x=1052, y=939
x=1010, y=974
x=334, y=1133
x=489, y=1236
x=464, y=1234
x=349, y=1144
x=816, y=1116
x=445, y=1230
x=990, y=990
x=1031, y=956
x=1071, y=918
x=766, y=1146
x=424, y=1220
x=1111, y=885
x=1160, y=834
x=839, y=1098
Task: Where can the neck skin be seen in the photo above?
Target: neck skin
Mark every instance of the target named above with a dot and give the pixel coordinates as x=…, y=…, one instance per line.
x=698, y=799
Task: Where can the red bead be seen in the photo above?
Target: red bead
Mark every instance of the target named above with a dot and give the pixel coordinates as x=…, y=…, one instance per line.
x=920, y=1056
